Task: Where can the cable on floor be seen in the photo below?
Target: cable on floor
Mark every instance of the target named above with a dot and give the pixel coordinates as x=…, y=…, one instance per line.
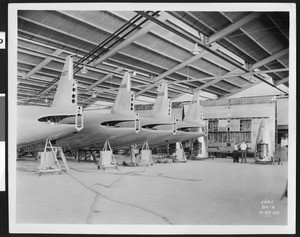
x=120, y=202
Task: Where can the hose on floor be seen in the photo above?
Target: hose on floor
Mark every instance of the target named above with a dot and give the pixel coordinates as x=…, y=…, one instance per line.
x=120, y=202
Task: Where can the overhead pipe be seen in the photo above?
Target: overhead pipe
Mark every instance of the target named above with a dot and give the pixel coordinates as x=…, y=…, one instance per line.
x=111, y=37
x=123, y=28
x=115, y=34
x=121, y=38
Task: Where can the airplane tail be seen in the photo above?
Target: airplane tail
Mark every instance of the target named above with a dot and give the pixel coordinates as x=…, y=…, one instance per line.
x=193, y=112
x=124, y=99
x=65, y=99
x=162, y=106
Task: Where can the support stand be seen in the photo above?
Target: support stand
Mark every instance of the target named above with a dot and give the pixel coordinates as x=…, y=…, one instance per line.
x=49, y=162
x=146, y=155
x=180, y=155
x=107, y=157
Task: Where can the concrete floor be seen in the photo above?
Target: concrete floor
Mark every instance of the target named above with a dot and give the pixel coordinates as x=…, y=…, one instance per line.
x=206, y=192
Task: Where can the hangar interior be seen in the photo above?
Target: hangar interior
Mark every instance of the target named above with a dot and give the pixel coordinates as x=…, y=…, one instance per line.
x=238, y=62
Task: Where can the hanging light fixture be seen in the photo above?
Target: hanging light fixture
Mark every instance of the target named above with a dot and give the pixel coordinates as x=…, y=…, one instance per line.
x=46, y=100
x=84, y=70
x=196, y=50
x=94, y=95
x=252, y=79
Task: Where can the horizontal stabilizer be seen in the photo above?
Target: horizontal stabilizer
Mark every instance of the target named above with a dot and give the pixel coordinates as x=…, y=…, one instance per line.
x=162, y=106
x=65, y=99
x=125, y=97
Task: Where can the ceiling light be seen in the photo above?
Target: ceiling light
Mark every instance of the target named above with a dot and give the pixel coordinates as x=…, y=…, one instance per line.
x=195, y=50
x=252, y=79
x=84, y=70
x=94, y=95
x=46, y=100
x=134, y=73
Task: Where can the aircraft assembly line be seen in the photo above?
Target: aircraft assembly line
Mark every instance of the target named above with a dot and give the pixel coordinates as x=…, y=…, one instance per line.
x=164, y=118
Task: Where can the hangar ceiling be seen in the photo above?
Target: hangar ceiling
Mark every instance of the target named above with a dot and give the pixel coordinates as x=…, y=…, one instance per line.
x=214, y=52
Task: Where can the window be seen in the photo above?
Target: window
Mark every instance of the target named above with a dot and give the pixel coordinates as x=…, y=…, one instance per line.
x=213, y=125
x=245, y=125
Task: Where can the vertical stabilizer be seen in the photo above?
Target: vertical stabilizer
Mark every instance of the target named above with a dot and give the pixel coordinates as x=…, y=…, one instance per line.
x=193, y=112
x=162, y=106
x=125, y=97
x=263, y=136
x=65, y=99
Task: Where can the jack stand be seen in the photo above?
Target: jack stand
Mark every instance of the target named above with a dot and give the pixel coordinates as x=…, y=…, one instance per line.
x=107, y=157
x=180, y=155
x=146, y=155
x=49, y=162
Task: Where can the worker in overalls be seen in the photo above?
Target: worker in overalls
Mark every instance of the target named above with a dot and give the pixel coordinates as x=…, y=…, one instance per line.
x=133, y=154
x=235, y=153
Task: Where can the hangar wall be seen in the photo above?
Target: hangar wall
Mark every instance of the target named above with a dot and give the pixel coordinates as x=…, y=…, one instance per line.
x=238, y=119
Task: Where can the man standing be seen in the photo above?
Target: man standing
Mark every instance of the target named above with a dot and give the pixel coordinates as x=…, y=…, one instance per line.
x=244, y=151
x=236, y=153
x=133, y=153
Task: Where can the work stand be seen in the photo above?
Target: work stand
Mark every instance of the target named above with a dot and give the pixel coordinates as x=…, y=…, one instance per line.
x=49, y=162
x=107, y=158
x=180, y=154
x=146, y=158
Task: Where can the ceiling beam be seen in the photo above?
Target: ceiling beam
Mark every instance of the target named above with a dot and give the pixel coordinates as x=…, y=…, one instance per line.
x=270, y=59
x=242, y=89
x=216, y=79
x=62, y=32
x=194, y=18
x=213, y=30
x=279, y=25
x=236, y=75
x=186, y=82
x=126, y=42
x=243, y=51
x=233, y=27
x=146, y=28
x=176, y=68
x=47, y=43
x=55, y=76
x=261, y=46
x=188, y=38
x=282, y=81
x=205, y=47
x=105, y=78
x=59, y=31
x=208, y=49
x=136, y=43
x=43, y=63
x=99, y=69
